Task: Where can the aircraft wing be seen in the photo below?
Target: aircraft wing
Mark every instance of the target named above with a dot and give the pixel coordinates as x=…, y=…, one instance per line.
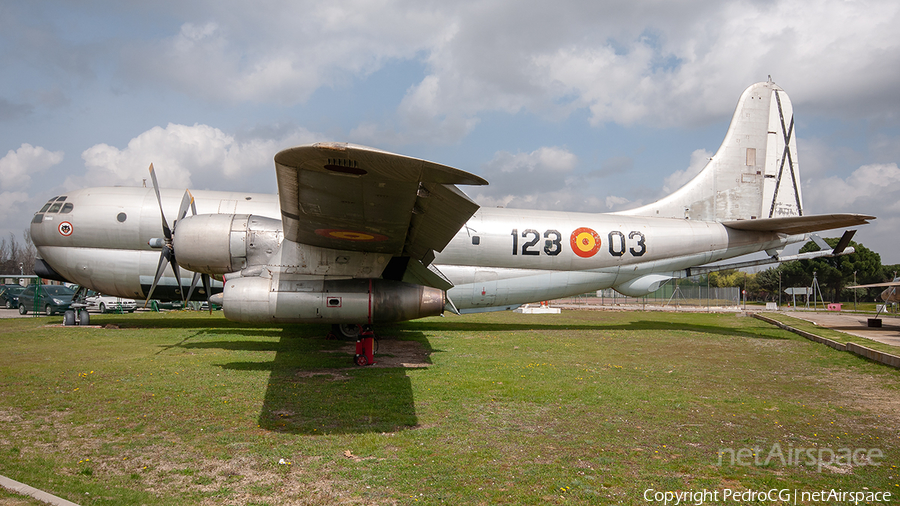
x=877, y=285
x=348, y=197
x=800, y=224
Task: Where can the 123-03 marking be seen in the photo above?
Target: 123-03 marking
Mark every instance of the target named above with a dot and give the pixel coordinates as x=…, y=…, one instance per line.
x=584, y=241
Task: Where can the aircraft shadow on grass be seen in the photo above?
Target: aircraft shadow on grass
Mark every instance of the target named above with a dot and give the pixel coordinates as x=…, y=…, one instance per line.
x=313, y=386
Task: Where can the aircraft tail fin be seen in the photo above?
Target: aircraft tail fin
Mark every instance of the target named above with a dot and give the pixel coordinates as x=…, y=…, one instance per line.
x=753, y=175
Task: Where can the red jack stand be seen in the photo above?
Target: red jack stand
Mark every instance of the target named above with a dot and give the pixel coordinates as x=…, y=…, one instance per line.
x=365, y=347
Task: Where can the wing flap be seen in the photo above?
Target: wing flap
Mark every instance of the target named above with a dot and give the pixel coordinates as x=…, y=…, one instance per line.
x=800, y=224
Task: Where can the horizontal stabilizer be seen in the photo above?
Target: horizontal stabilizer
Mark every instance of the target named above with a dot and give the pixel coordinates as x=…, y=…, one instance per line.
x=877, y=285
x=800, y=224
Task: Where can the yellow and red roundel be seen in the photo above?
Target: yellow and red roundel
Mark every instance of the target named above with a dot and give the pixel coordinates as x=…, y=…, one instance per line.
x=350, y=235
x=585, y=242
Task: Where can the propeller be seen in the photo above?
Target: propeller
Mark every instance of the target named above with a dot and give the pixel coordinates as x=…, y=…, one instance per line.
x=167, y=256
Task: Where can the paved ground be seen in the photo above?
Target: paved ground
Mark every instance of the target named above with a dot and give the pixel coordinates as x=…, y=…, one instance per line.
x=855, y=324
x=14, y=313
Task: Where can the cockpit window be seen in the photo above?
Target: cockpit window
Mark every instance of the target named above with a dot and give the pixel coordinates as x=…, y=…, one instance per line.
x=61, y=199
x=44, y=209
x=67, y=208
x=55, y=208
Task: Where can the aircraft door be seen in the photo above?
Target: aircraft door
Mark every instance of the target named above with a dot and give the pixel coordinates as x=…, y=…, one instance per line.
x=485, y=287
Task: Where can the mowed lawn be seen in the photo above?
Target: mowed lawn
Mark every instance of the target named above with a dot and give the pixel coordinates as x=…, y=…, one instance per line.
x=586, y=407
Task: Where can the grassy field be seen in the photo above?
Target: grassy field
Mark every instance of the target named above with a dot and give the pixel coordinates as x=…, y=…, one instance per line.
x=580, y=408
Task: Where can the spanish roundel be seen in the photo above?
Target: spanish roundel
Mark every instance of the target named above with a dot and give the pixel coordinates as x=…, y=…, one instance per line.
x=350, y=235
x=585, y=242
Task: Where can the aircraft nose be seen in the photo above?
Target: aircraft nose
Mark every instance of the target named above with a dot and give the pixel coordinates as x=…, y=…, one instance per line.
x=52, y=220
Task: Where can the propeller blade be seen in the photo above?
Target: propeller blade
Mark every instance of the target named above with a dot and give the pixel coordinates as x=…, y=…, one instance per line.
x=207, y=287
x=165, y=224
x=175, y=269
x=193, y=205
x=186, y=202
x=194, y=281
x=160, y=268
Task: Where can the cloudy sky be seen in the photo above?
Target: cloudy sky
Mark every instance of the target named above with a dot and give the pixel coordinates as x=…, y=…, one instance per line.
x=587, y=105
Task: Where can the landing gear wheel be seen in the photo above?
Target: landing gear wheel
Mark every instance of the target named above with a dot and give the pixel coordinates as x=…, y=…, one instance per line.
x=361, y=360
x=84, y=318
x=69, y=318
x=348, y=331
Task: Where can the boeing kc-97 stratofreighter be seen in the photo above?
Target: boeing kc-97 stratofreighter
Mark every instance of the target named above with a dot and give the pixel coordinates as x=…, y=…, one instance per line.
x=362, y=236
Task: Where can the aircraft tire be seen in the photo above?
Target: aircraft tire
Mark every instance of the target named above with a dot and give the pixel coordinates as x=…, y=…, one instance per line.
x=348, y=331
x=22, y=309
x=84, y=318
x=69, y=318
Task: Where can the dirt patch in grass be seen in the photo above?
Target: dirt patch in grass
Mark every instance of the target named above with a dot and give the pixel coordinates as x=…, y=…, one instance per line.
x=165, y=466
x=864, y=392
x=390, y=353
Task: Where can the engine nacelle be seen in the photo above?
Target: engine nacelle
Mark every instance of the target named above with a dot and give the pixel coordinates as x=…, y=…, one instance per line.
x=223, y=243
x=257, y=299
x=638, y=287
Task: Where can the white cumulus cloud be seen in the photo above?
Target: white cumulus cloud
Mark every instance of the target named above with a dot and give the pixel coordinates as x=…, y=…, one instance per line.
x=198, y=156
x=17, y=167
x=699, y=159
x=871, y=188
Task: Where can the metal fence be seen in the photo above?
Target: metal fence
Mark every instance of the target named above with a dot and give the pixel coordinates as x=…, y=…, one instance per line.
x=668, y=295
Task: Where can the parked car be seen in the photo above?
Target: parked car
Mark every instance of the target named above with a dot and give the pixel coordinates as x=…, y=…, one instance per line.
x=50, y=299
x=108, y=304
x=156, y=304
x=9, y=296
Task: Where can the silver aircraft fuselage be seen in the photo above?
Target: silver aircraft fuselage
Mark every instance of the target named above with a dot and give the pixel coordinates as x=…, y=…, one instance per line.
x=501, y=258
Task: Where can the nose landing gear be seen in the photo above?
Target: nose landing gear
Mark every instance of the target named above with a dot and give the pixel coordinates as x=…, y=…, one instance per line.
x=76, y=317
x=77, y=314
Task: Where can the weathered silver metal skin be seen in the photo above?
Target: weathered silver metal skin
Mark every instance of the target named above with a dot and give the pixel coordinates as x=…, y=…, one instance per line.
x=223, y=243
x=754, y=174
x=339, y=235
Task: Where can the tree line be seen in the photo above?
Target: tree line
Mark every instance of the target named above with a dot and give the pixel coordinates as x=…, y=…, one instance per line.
x=17, y=257
x=833, y=274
